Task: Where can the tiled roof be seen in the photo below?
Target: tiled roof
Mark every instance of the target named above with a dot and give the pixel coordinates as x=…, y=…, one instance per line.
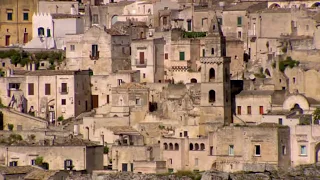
x=65, y=16
x=16, y=169
x=132, y=86
x=40, y=174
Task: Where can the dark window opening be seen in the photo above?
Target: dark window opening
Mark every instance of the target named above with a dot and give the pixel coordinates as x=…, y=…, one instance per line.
x=212, y=96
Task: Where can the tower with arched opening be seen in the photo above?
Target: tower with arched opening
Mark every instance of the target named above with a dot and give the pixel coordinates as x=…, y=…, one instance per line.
x=215, y=80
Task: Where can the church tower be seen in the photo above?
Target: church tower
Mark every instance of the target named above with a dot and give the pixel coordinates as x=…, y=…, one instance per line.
x=215, y=81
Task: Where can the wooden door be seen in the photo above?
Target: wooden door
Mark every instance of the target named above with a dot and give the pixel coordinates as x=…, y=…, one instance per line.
x=7, y=40
x=95, y=101
x=141, y=57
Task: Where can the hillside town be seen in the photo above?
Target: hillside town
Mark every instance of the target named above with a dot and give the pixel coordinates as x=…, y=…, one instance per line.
x=94, y=87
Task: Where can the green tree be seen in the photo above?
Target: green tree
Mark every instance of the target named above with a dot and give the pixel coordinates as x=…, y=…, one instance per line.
x=316, y=114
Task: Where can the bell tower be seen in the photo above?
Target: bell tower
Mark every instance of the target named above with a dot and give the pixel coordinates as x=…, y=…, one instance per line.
x=215, y=81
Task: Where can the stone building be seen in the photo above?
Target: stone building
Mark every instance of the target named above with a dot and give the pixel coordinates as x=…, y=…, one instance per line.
x=16, y=21
x=101, y=50
x=230, y=149
x=49, y=94
x=215, y=81
x=73, y=155
x=147, y=56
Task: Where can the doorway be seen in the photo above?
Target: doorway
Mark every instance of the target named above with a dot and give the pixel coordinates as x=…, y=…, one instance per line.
x=95, y=101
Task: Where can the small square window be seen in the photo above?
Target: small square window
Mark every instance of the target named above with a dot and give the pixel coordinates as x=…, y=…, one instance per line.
x=257, y=150
x=9, y=16
x=284, y=150
x=280, y=121
x=166, y=56
x=231, y=150
x=25, y=16
x=72, y=47
x=249, y=110
x=303, y=150
x=144, y=75
x=138, y=101
x=63, y=102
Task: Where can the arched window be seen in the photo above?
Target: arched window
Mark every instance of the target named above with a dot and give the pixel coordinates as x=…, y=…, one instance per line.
x=212, y=96
x=212, y=51
x=191, y=146
x=193, y=80
x=212, y=73
x=202, y=147
x=196, y=147
x=274, y=6
x=176, y=146
x=165, y=145
x=40, y=31
x=170, y=146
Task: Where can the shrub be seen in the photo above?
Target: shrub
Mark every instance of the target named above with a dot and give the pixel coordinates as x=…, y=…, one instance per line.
x=288, y=62
x=60, y=118
x=10, y=127
x=106, y=150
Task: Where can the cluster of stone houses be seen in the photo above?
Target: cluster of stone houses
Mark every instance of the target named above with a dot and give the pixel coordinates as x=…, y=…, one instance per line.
x=158, y=86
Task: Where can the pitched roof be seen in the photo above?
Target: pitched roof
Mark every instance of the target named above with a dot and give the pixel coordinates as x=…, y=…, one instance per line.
x=40, y=174
x=16, y=169
x=132, y=86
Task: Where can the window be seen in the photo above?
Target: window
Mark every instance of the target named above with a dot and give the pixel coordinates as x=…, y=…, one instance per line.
x=64, y=88
x=249, y=110
x=260, y=110
x=220, y=21
x=239, y=34
x=190, y=146
x=48, y=33
x=72, y=47
x=203, y=52
x=189, y=25
x=181, y=56
x=185, y=133
x=170, y=161
x=33, y=162
x=119, y=82
x=25, y=16
x=95, y=19
x=25, y=37
x=30, y=89
x=202, y=147
x=196, y=161
x=7, y=40
x=13, y=163
x=212, y=96
x=284, y=150
x=231, y=150
x=257, y=150
x=212, y=51
x=212, y=73
x=47, y=89
x=138, y=101
x=108, y=99
x=63, y=102
x=303, y=150
x=40, y=31
x=68, y=164
x=94, y=52
x=141, y=58
x=294, y=80
x=165, y=20
x=176, y=146
x=144, y=75
x=166, y=56
x=3, y=64
x=211, y=150
x=9, y=16
x=165, y=146
x=239, y=21
x=239, y=110
x=280, y=121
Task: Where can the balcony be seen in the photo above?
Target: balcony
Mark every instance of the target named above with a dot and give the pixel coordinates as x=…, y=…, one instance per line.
x=140, y=64
x=63, y=90
x=180, y=65
x=94, y=56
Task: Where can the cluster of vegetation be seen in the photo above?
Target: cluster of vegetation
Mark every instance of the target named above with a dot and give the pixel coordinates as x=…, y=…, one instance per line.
x=23, y=57
x=60, y=118
x=195, y=175
x=13, y=138
x=105, y=150
x=289, y=62
x=162, y=127
x=316, y=115
x=260, y=74
x=193, y=34
x=39, y=162
x=10, y=127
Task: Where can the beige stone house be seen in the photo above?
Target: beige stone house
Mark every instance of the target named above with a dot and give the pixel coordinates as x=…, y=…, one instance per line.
x=98, y=49
x=59, y=156
x=147, y=56
x=230, y=149
x=48, y=94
